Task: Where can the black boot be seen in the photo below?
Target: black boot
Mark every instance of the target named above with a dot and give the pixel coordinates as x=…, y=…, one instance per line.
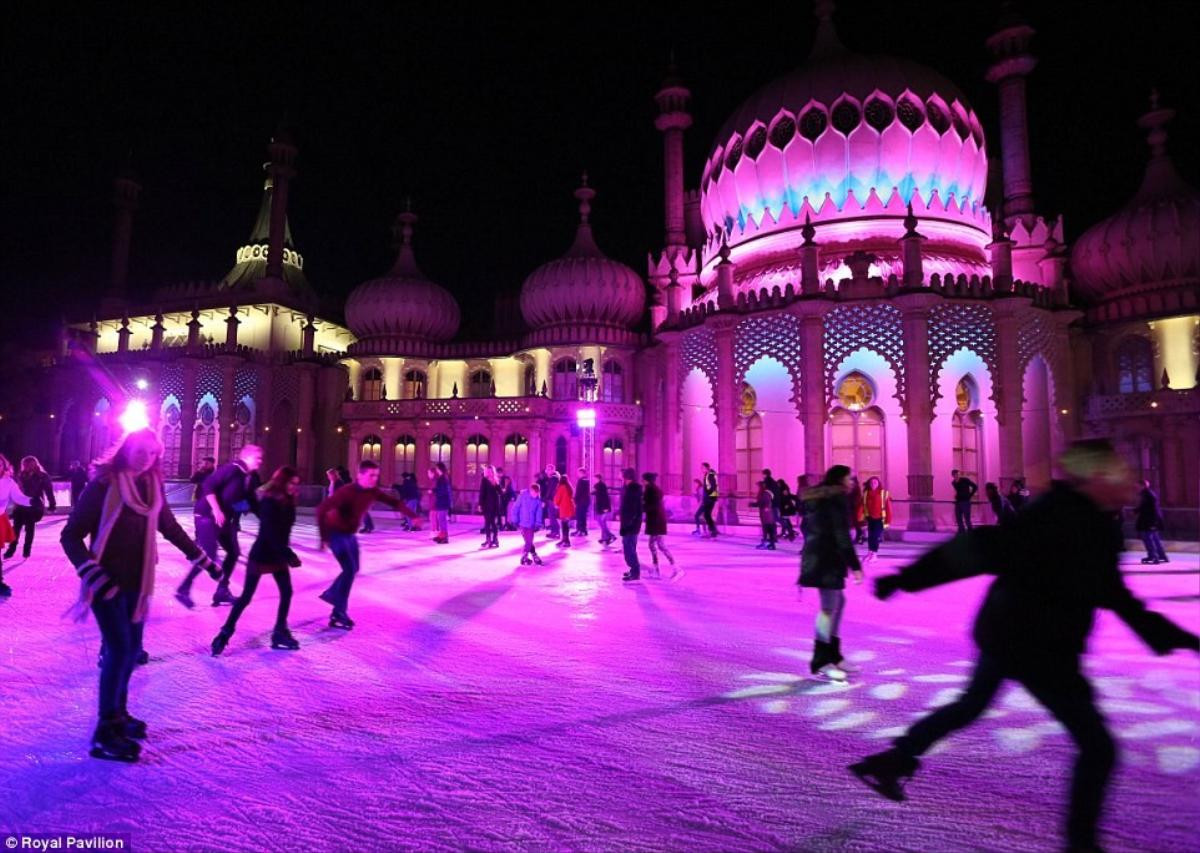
x=340, y=619
x=110, y=743
x=132, y=727
x=886, y=772
x=281, y=638
x=223, y=595
x=822, y=664
x=5, y=589
x=221, y=641
x=835, y=654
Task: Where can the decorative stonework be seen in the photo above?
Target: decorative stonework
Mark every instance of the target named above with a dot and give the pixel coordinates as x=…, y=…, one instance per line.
x=773, y=335
x=209, y=381
x=1036, y=337
x=245, y=384
x=954, y=326
x=878, y=328
x=170, y=382
x=700, y=350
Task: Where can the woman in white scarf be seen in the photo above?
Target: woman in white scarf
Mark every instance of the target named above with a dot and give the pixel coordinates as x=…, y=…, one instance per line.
x=122, y=510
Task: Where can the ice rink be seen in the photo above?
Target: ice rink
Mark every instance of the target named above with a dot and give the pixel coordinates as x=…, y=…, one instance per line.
x=483, y=706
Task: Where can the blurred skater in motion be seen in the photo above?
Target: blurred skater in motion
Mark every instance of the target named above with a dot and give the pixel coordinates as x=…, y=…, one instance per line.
x=35, y=483
x=9, y=492
x=1056, y=564
x=656, y=525
x=528, y=514
x=827, y=557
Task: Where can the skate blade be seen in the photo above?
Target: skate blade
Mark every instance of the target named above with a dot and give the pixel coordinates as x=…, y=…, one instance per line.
x=891, y=791
x=103, y=755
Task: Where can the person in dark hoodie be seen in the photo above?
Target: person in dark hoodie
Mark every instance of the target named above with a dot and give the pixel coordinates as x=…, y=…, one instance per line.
x=583, y=502
x=122, y=511
x=631, y=523
x=1056, y=564
x=827, y=557
x=603, y=509
x=489, y=506
x=1149, y=524
x=656, y=525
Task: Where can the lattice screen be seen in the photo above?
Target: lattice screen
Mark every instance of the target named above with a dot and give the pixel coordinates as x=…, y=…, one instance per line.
x=954, y=326
x=775, y=335
x=700, y=350
x=874, y=327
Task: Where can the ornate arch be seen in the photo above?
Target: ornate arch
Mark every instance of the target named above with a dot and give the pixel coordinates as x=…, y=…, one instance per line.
x=875, y=327
x=774, y=335
x=700, y=351
x=954, y=326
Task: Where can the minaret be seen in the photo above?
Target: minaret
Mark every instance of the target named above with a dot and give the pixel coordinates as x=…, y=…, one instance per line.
x=126, y=190
x=282, y=152
x=673, y=119
x=1010, y=47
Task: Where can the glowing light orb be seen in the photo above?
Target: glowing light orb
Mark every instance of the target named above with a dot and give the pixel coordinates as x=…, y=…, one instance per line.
x=142, y=384
x=586, y=418
x=134, y=417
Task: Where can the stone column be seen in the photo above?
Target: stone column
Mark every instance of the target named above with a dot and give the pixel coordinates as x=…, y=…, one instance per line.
x=814, y=407
x=918, y=406
x=305, y=404
x=727, y=405
x=458, y=455
x=187, y=418
x=225, y=416
x=1009, y=313
x=670, y=437
x=1066, y=398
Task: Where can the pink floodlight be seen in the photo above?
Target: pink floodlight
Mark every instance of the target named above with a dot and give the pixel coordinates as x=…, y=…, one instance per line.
x=134, y=417
x=586, y=418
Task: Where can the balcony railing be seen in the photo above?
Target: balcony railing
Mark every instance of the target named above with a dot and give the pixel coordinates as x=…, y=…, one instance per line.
x=491, y=407
x=1100, y=406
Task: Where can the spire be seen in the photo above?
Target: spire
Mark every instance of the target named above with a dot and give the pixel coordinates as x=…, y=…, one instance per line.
x=826, y=43
x=402, y=231
x=585, y=243
x=1161, y=179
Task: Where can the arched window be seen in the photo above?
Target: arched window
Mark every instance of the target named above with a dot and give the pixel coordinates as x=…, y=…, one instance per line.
x=242, y=426
x=406, y=455
x=372, y=384
x=531, y=388
x=612, y=387
x=100, y=426
x=856, y=429
x=612, y=461
x=566, y=380
x=415, y=385
x=170, y=431
x=371, y=450
x=748, y=452
x=516, y=460
x=480, y=383
x=560, y=454
x=477, y=455
x=1135, y=365
x=205, y=430
x=439, y=449
x=966, y=445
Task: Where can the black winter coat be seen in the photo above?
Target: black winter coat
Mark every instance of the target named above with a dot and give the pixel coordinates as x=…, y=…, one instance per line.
x=631, y=509
x=602, y=502
x=275, y=520
x=233, y=487
x=583, y=494
x=656, y=512
x=1056, y=564
x=489, y=497
x=1149, y=516
x=40, y=491
x=828, y=553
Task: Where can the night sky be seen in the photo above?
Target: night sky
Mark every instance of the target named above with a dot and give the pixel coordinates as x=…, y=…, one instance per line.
x=486, y=120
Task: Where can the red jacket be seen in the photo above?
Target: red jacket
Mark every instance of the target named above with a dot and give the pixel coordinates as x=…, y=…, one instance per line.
x=564, y=501
x=343, y=511
x=876, y=503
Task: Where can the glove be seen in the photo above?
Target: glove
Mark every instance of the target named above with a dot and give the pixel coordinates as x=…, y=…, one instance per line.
x=206, y=563
x=99, y=583
x=886, y=586
x=292, y=559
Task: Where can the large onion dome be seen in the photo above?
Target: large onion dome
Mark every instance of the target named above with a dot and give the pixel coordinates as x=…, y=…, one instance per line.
x=1153, y=242
x=403, y=303
x=584, y=287
x=848, y=137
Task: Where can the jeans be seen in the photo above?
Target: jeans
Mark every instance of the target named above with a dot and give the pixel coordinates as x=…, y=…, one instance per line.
x=441, y=523
x=491, y=526
x=1152, y=539
x=25, y=518
x=283, y=580
x=368, y=523
x=629, y=546
x=527, y=535
x=208, y=537
x=1067, y=695
x=345, y=550
x=707, y=508
x=874, y=533
x=768, y=531
x=121, y=639
x=962, y=515
x=602, y=519
x=581, y=514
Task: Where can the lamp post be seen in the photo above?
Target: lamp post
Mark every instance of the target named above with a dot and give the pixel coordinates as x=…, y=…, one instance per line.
x=585, y=417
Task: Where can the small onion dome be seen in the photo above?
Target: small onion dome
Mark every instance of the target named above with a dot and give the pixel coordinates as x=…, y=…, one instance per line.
x=584, y=286
x=403, y=303
x=1154, y=239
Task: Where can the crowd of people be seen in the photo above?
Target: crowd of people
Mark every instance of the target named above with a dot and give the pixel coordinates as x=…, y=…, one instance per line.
x=1055, y=557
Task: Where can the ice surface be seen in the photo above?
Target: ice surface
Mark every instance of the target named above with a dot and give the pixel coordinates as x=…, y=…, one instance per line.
x=483, y=706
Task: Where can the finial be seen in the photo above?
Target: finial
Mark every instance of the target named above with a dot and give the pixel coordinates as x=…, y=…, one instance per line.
x=910, y=223
x=673, y=277
x=724, y=250
x=1155, y=121
x=824, y=9
x=585, y=194
x=808, y=231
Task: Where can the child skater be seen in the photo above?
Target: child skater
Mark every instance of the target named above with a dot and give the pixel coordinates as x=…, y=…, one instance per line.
x=528, y=513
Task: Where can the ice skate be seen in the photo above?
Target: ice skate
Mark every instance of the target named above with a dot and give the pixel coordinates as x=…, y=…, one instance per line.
x=222, y=596
x=221, y=641
x=839, y=661
x=676, y=573
x=110, y=744
x=10, y=550
x=886, y=773
x=5, y=590
x=632, y=576
x=340, y=620
x=281, y=638
x=143, y=658
x=132, y=727
x=822, y=666
x=654, y=573
x=184, y=596
x=537, y=560
x=525, y=561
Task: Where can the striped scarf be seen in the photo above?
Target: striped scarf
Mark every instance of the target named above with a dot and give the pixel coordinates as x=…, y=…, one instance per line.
x=123, y=492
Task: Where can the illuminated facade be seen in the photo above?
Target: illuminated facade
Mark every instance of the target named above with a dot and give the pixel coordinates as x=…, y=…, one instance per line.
x=835, y=290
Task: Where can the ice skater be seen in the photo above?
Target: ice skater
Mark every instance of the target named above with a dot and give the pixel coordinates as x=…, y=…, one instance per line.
x=766, y=516
x=602, y=504
x=10, y=492
x=122, y=510
x=875, y=511
x=583, y=502
x=564, y=508
x=339, y=516
x=1056, y=564
x=631, y=523
x=827, y=557
x=964, y=492
x=528, y=512
x=1148, y=521
x=656, y=524
x=489, y=505
x=271, y=554
x=711, y=492
x=35, y=483
x=441, y=504
x=224, y=495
